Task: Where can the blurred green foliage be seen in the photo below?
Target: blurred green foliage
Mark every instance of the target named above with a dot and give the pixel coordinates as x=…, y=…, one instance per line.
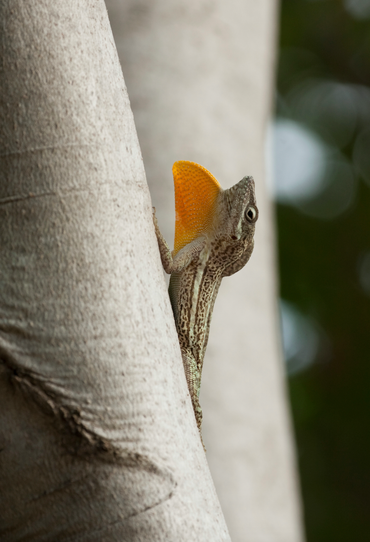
x=320, y=269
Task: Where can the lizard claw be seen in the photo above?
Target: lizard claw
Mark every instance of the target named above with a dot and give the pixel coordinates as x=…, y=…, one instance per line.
x=155, y=221
x=154, y=215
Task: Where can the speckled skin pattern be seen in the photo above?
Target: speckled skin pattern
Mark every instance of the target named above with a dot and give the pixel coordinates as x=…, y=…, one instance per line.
x=197, y=270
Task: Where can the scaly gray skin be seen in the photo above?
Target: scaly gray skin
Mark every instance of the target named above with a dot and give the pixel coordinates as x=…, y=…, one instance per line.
x=197, y=270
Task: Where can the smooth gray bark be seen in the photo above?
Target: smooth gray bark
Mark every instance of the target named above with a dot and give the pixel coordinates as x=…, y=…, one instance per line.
x=200, y=77
x=97, y=436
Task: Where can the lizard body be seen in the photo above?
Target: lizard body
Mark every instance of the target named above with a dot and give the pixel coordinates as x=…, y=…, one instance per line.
x=213, y=239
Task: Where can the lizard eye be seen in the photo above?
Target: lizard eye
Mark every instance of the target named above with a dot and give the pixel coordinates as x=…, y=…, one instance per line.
x=250, y=214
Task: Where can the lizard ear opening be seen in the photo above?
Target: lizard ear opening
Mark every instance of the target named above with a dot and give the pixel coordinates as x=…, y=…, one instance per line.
x=196, y=191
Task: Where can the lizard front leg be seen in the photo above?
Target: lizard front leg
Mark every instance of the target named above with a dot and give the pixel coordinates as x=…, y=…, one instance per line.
x=164, y=249
x=176, y=263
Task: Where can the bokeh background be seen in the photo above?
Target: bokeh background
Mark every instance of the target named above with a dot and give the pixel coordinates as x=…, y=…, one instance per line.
x=321, y=181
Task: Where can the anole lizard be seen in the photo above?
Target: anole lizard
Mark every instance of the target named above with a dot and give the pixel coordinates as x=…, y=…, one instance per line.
x=214, y=233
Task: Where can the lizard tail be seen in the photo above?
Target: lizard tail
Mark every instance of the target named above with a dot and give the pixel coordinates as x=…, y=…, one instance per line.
x=193, y=376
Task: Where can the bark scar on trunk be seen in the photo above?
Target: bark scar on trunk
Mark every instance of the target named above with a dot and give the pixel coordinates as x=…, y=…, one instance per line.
x=77, y=439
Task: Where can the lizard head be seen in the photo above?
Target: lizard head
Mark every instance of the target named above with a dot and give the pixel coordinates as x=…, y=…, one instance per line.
x=203, y=208
x=238, y=210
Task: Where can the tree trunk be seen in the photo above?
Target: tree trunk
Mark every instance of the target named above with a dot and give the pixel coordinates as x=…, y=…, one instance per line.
x=200, y=79
x=97, y=436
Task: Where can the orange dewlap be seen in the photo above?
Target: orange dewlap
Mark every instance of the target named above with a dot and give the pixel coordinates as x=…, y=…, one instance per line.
x=196, y=192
